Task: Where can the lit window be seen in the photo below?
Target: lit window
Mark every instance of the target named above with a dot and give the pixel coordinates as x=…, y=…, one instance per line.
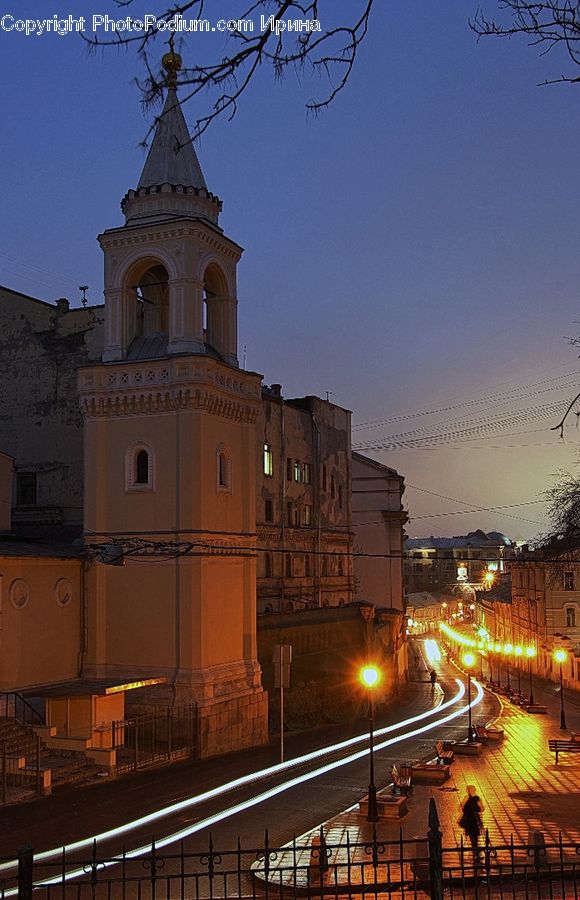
x=306, y=473
x=570, y=617
x=297, y=472
x=568, y=581
x=268, y=460
x=307, y=514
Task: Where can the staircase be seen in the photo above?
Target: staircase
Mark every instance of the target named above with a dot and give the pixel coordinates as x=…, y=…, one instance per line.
x=29, y=769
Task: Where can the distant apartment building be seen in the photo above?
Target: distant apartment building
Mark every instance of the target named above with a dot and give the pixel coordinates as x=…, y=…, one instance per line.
x=303, y=512
x=440, y=564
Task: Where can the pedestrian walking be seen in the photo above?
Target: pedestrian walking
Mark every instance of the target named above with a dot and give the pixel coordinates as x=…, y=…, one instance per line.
x=471, y=812
x=433, y=676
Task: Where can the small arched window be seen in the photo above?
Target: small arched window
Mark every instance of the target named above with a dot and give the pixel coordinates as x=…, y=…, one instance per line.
x=224, y=469
x=141, y=467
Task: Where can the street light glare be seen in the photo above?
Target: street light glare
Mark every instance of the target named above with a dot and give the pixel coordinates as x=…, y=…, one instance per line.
x=468, y=659
x=560, y=656
x=530, y=651
x=370, y=676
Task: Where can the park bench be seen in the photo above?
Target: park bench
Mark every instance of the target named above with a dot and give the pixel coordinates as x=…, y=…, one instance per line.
x=561, y=746
x=444, y=752
x=401, y=776
x=480, y=733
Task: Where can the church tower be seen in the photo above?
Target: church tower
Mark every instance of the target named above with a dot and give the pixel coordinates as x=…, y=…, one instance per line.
x=170, y=453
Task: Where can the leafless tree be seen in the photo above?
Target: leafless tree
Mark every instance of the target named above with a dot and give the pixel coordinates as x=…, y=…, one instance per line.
x=329, y=50
x=548, y=24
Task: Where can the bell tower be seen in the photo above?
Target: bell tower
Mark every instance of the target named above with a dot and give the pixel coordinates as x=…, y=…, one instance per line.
x=170, y=450
x=182, y=297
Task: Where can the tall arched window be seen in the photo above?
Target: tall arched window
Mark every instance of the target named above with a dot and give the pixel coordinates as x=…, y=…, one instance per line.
x=141, y=467
x=224, y=469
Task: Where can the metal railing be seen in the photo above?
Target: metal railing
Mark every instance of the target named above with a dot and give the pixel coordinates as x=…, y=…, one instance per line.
x=399, y=869
x=15, y=706
x=143, y=740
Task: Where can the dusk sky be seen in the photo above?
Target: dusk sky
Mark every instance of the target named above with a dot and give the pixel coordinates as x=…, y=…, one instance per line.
x=413, y=248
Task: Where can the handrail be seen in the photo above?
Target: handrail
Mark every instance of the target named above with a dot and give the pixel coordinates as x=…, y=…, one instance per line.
x=14, y=706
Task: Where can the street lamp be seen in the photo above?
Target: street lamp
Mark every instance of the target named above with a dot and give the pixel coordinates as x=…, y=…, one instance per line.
x=561, y=656
x=468, y=661
x=530, y=653
x=507, y=650
x=518, y=653
x=370, y=677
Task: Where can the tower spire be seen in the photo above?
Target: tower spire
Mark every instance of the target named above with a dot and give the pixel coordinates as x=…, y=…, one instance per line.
x=171, y=158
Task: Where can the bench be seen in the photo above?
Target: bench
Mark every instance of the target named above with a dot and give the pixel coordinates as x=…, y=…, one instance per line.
x=538, y=708
x=480, y=733
x=560, y=746
x=444, y=752
x=401, y=776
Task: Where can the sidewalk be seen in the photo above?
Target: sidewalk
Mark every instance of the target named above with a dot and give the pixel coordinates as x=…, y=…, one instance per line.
x=521, y=787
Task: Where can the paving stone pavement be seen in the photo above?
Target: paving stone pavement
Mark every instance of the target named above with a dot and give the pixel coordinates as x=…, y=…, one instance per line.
x=522, y=788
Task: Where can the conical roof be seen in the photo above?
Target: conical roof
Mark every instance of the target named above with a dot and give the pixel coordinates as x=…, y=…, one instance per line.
x=171, y=158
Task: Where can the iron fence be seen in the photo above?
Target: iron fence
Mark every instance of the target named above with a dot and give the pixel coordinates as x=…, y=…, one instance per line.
x=398, y=869
x=143, y=740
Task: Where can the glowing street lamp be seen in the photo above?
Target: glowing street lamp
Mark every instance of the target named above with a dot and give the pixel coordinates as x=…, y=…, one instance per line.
x=530, y=653
x=370, y=676
x=561, y=656
x=468, y=662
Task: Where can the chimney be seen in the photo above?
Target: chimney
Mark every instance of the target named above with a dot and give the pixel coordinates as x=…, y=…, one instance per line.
x=62, y=305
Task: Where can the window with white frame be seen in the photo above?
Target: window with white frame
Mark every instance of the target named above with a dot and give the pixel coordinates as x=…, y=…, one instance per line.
x=570, y=617
x=307, y=514
x=297, y=471
x=568, y=581
x=268, y=460
x=139, y=467
x=306, y=473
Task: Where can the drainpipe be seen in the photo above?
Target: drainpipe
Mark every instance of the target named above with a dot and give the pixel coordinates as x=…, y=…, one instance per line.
x=283, y=512
x=177, y=568
x=318, y=582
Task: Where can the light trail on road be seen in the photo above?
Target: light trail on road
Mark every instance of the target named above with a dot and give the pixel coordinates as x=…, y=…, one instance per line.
x=242, y=781
x=268, y=794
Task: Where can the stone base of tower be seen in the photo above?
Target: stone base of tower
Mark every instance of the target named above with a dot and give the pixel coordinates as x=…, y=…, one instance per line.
x=232, y=707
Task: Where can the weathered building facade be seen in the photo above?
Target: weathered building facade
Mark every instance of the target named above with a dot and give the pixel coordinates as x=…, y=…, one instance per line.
x=41, y=347
x=303, y=504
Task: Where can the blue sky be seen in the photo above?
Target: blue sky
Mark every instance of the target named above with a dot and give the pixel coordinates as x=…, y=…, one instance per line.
x=412, y=248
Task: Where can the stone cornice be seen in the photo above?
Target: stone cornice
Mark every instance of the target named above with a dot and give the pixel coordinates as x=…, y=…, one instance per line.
x=150, y=234
x=160, y=386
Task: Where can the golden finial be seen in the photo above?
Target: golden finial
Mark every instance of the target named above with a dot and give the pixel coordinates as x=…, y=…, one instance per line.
x=171, y=62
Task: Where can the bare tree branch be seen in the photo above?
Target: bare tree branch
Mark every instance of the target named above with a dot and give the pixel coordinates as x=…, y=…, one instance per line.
x=329, y=49
x=547, y=23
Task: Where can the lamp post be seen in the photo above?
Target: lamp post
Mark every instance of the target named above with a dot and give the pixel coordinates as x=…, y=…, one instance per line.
x=530, y=653
x=370, y=677
x=561, y=656
x=507, y=650
x=468, y=661
x=518, y=653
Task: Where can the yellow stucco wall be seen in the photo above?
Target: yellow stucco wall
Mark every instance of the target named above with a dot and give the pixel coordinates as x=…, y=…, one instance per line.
x=40, y=621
